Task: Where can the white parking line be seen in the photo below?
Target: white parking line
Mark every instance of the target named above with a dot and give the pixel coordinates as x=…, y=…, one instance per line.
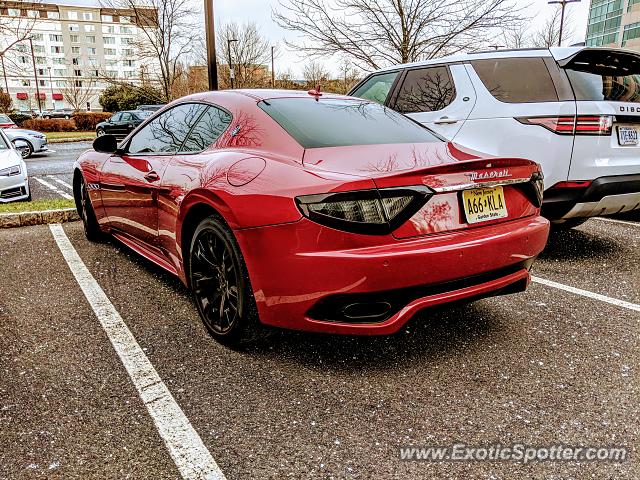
x=586, y=293
x=613, y=220
x=185, y=446
x=53, y=188
x=61, y=182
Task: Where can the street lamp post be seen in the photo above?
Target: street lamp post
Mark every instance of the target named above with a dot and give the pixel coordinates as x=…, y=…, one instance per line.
x=563, y=4
x=35, y=73
x=53, y=103
x=273, y=70
x=212, y=64
x=231, y=73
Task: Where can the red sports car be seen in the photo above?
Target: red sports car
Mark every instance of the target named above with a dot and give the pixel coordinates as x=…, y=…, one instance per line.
x=313, y=212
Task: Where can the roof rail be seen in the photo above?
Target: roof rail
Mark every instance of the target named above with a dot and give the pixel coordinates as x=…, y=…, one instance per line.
x=476, y=52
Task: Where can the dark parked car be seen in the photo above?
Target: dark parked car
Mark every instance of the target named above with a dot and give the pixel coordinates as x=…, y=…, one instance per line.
x=122, y=123
x=65, y=113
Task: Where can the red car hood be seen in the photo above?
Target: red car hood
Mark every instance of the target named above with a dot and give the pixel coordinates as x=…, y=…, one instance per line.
x=433, y=164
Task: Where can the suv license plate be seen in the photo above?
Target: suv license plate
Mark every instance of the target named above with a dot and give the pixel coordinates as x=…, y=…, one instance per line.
x=484, y=204
x=627, y=136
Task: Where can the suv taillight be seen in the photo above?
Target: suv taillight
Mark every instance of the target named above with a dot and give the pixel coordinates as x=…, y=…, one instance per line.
x=572, y=125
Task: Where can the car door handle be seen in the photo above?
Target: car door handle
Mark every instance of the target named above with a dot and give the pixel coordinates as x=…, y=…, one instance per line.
x=152, y=176
x=446, y=121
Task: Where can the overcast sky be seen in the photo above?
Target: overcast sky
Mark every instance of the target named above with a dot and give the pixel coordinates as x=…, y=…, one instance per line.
x=259, y=11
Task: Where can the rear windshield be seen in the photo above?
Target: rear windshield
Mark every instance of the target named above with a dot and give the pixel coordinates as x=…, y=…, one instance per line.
x=339, y=123
x=605, y=75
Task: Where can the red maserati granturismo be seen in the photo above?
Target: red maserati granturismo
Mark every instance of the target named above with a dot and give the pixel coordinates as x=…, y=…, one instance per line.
x=313, y=212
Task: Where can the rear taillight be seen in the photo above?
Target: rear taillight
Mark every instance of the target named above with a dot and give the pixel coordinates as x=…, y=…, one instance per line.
x=573, y=184
x=369, y=212
x=572, y=125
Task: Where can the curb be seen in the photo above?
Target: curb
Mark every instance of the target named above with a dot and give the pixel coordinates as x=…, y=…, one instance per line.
x=24, y=219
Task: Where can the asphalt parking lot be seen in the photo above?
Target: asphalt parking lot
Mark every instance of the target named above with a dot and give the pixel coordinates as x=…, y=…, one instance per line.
x=544, y=367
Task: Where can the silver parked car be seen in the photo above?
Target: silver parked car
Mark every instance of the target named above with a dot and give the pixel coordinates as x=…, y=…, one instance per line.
x=35, y=142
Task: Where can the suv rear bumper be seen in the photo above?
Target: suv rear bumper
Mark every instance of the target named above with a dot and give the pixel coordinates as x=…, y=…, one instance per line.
x=604, y=196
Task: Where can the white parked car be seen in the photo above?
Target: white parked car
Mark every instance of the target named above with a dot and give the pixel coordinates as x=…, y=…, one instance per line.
x=14, y=180
x=575, y=111
x=34, y=142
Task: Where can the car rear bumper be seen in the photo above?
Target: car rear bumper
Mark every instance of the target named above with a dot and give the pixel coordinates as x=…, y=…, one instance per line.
x=604, y=196
x=300, y=283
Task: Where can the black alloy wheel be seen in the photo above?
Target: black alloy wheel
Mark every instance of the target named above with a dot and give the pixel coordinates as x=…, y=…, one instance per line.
x=220, y=284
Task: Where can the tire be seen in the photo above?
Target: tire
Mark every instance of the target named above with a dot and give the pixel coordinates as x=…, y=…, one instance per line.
x=221, y=287
x=87, y=214
x=100, y=132
x=568, y=224
x=28, y=151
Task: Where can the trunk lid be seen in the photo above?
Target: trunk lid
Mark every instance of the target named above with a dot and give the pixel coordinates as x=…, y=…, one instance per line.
x=448, y=170
x=606, y=83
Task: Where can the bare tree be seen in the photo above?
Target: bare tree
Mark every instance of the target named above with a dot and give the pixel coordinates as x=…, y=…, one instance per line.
x=549, y=34
x=348, y=75
x=374, y=33
x=14, y=28
x=315, y=73
x=79, y=91
x=516, y=36
x=249, y=53
x=167, y=34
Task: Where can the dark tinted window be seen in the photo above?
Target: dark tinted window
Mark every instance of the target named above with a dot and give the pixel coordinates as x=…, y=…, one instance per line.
x=591, y=86
x=210, y=126
x=337, y=122
x=377, y=87
x=426, y=90
x=517, y=80
x=116, y=117
x=166, y=132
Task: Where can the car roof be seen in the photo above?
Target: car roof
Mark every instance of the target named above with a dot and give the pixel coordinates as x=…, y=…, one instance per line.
x=559, y=53
x=270, y=93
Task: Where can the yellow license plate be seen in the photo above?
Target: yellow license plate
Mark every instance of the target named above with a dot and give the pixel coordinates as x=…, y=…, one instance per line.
x=483, y=205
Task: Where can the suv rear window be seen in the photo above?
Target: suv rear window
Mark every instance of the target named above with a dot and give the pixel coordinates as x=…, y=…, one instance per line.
x=338, y=123
x=605, y=75
x=517, y=80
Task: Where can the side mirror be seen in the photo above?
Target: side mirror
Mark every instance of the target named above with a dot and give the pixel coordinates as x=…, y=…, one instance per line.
x=105, y=144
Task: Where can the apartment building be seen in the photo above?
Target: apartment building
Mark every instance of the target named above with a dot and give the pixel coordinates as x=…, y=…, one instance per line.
x=614, y=23
x=77, y=46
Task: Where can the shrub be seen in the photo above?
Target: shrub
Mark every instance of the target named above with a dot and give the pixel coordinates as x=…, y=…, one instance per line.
x=127, y=97
x=51, y=125
x=86, y=122
x=19, y=118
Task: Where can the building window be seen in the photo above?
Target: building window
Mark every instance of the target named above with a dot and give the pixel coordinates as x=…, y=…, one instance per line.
x=41, y=60
x=87, y=16
x=108, y=29
x=23, y=59
x=42, y=83
x=78, y=83
x=53, y=15
x=91, y=39
x=57, y=49
x=89, y=28
x=38, y=49
x=109, y=40
x=109, y=51
x=125, y=29
x=631, y=4
x=74, y=38
x=58, y=61
x=60, y=84
x=75, y=61
x=33, y=13
x=631, y=31
x=129, y=63
x=75, y=50
x=26, y=83
x=127, y=52
x=92, y=51
x=77, y=73
x=71, y=15
x=60, y=72
x=55, y=38
x=107, y=18
x=14, y=12
x=74, y=27
x=126, y=41
x=37, y=37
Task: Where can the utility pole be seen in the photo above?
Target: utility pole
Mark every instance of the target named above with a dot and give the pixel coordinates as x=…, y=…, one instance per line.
x=4, y=73
x=212, y=65
x=563, y=4
x=35, y=73
x=273, y=71
x=53, y=102
x=231, y=72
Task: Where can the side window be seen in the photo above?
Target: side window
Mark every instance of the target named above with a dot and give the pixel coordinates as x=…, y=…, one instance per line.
x=126, y=117
x=208, y=129
x=167, y=132
x=116, y=117
x=377, y=87
x=517, y=80
x=426, y=90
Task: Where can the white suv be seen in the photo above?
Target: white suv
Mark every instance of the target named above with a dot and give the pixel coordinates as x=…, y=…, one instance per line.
x=575, y=111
